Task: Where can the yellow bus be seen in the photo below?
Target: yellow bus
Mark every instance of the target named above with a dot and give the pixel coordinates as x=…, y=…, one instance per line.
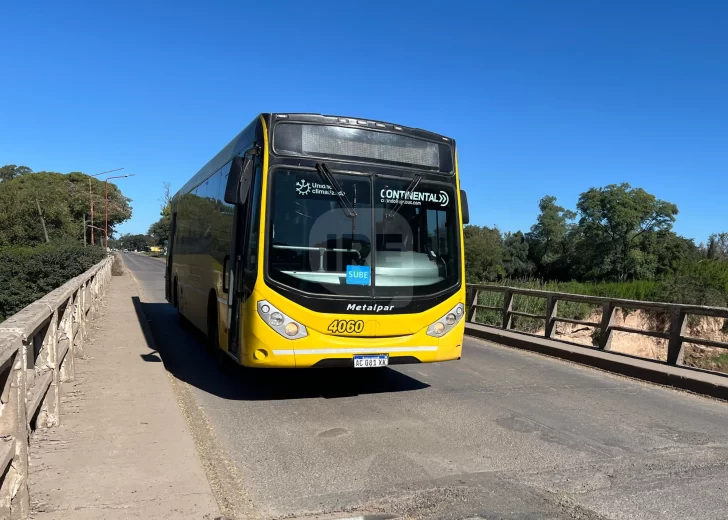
x=323, y=241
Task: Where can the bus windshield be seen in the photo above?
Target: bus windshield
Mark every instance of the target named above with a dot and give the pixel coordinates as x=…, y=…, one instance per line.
x=395, y=242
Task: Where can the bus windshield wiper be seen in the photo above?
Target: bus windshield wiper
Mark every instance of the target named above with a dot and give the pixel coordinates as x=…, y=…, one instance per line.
x=412, y=185
x=349, y=210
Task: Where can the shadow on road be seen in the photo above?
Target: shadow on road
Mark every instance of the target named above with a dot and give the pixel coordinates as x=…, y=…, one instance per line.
x=185, y=356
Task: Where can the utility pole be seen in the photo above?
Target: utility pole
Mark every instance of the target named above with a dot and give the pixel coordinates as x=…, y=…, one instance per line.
x=107, y=203
x=91, y=201
x=42, y=220
x=92, y=209
x=84, y=230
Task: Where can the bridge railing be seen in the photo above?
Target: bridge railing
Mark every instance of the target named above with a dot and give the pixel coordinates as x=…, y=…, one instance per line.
x=677, y=315
x=38, y=346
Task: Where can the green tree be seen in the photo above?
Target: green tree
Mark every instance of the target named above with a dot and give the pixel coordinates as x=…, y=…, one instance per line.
x=550, y=238
x=612, y=221
x=483, y=254
x=64, y=201
x=515, y=256
x=11, y=171
x=161, y=229
x=137, y=242
x=717, y=248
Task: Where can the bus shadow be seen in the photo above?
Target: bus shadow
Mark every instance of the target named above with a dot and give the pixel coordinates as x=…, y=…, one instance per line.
x=183, y=351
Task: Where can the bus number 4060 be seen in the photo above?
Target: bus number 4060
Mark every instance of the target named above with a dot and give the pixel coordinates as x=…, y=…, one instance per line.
x=346, y=326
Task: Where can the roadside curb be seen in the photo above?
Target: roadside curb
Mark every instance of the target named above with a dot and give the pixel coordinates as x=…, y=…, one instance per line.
x=683, y=378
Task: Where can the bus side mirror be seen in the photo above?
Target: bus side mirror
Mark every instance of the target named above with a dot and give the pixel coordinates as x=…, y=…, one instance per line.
x=241, y=173
x=464, y=207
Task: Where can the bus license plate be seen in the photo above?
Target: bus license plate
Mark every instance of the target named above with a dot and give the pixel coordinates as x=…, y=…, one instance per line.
x=378, y=360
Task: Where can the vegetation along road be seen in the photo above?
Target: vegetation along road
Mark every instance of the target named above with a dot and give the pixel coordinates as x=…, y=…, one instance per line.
x=499, y=434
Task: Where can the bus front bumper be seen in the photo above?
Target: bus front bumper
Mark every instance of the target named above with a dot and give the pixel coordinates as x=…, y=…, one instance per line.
x=269, y=349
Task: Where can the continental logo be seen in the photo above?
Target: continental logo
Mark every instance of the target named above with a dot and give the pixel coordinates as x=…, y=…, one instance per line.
x=415, y=198
x=369, y=308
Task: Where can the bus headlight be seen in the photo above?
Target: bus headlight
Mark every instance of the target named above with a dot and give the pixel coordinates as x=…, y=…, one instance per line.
x=292, y=329
x=447, y=322
x=279, y=322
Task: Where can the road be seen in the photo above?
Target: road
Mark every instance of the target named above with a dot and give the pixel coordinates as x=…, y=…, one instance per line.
x=501, y=434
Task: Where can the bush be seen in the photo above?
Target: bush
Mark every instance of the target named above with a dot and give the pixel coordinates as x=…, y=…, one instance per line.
x=117, y=267
x=29, y=273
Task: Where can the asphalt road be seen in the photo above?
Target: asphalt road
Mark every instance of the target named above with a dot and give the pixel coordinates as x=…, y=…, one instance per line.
x=501, y=434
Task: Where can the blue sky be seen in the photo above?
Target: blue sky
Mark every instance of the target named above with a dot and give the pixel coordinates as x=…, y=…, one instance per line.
x=541, y=97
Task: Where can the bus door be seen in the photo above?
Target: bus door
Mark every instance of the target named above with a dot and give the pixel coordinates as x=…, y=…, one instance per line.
x=238, y=267
x=234, y=269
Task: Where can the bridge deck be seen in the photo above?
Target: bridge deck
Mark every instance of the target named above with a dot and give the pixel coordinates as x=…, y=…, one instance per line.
x=500, y=434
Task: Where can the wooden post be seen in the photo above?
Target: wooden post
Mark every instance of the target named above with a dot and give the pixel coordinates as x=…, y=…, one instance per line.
x=472, y=301
x=551, y=309
x=608, y=314
x=678, y=324
x=507, y=308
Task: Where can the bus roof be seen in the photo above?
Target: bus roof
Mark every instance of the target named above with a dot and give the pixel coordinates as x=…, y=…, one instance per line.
x=246, y=138
x=360, y=122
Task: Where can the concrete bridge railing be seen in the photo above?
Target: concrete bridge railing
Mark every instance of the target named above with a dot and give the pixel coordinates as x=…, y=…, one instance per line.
x=676, y=316
x=38, y=346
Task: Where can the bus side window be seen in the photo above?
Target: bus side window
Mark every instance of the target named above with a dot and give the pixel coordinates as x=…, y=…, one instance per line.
x=251, y=261
x=224, y=216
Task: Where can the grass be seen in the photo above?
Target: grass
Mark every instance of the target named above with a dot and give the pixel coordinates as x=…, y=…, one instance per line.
x=637, y=290
x=565, y=309
x=716, y=362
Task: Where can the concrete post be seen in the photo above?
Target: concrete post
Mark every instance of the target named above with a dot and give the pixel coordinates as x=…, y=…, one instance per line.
x=678, y=326
x=551, y=309
x=609, y=312
x=49, y=410
x=68, y=364
x=507, y=308
x=84, y=308
x=14, y=496
x=472, y=302
x=78, y=327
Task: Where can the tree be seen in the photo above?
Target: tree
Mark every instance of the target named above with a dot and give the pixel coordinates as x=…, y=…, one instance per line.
x=717, y=246
x=612, y=220
x=64, y=201
x=137, y=242
x=483, y=254
x=11, y=171
x=515, y=256
x=548, y=240
x=161, y=229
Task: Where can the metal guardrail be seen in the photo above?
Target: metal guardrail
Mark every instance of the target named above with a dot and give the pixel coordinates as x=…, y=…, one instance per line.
x=678, y=314
x=38, y=346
